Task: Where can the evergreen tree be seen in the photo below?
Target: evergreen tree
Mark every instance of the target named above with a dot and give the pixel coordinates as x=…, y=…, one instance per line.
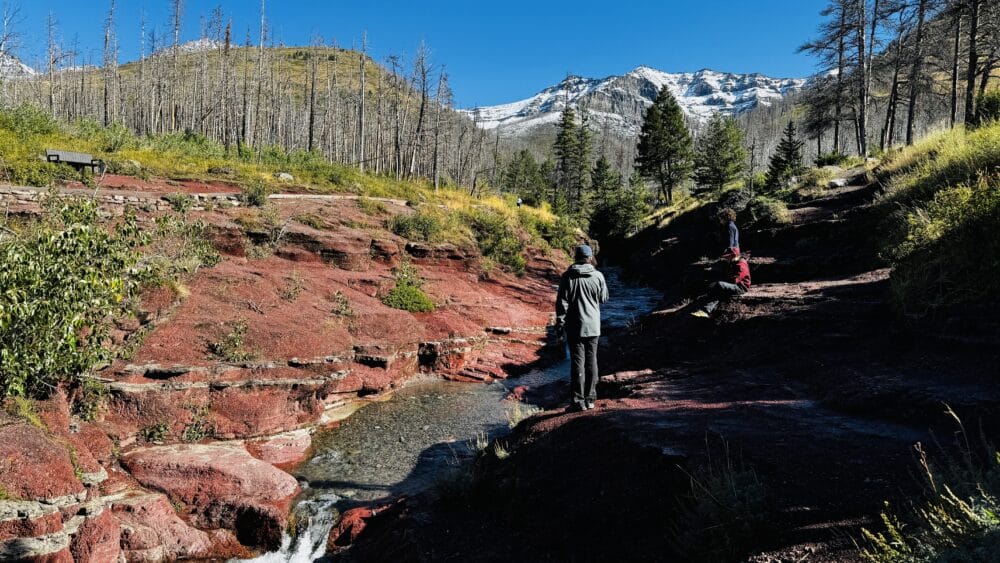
x=621, y=212
x=787, y=159
x=664, y=152
x=721, y=157
x=523, y=177
x=572, y=153
x=603, y=181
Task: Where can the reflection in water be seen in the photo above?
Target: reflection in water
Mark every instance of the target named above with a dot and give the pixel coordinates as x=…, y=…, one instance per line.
x=402, y=445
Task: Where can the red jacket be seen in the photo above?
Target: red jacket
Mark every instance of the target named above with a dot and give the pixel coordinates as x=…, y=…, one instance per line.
x=741, y=274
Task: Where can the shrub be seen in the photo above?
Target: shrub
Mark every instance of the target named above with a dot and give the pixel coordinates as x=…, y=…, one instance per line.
x=372, y=206
x=958, y=520
x=409, y=298
x=28, y=120
x=496, y=238
x=988, y=108
x=943, y=252
x=180, y=202
x=255, y=193
x=422, y=225
x=763, y=211
x=154, y=432
x=832, y=158
x=723, y=514
x=63, y=280
x=407, y=295
x=231, y=347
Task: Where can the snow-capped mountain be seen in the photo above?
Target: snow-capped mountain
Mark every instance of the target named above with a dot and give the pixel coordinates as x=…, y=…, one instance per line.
x=12, y=67
x=191, y=47
x=619, y=102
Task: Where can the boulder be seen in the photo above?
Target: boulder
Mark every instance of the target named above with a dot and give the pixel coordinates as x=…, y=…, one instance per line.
x=152, y=531
x=284, y=177
x=27, y=519
x=220, y=486
x=98, y=540
x=837, y=183
x=282, y=450
x=33, y=466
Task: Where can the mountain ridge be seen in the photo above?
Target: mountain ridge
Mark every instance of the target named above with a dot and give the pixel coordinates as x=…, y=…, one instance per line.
x=619, y=101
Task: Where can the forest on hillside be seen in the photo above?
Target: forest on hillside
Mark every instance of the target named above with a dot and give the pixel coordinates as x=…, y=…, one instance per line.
x=889, y=71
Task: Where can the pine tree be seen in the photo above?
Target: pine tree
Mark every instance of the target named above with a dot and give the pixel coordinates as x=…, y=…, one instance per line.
x=523, y=177
x=664, y=151
x=565, y=150
x=787, y=159
x=572, y=152
x=604, y=181
x=721, y=157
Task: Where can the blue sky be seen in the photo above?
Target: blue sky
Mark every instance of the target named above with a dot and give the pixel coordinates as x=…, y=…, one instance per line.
x=493, y=51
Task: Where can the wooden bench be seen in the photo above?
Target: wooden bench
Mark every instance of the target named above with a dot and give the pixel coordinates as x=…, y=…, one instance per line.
x=77, y=160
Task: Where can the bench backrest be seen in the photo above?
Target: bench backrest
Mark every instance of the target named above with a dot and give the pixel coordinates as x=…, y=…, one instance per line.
x=69, y=157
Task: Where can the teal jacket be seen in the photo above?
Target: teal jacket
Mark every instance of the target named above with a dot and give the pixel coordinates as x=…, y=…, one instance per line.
x=578, y=305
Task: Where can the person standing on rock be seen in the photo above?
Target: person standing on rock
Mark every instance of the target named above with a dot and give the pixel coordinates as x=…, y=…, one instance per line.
x=582, y=290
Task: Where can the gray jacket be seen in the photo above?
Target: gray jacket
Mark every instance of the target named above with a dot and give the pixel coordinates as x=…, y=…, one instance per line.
x=578, y=306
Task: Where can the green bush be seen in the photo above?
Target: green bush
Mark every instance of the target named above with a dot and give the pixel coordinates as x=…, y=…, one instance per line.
x=255, y=193
x=111, y=139
x=497, y=238
x=946, y=253
x=422, y=225
x=409, y=298
x=36, y=173
x=832, y=158
x=988, y=108
x=62, y=280
x=28, y=120
x=763, y=211
x=231, y=348
x=407, y=295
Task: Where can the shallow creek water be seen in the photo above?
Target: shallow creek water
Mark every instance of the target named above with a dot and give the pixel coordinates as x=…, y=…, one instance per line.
x=402, y=444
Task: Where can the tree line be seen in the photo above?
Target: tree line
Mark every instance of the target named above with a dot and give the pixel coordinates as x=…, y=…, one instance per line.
x=892, y=69
x=255, y=94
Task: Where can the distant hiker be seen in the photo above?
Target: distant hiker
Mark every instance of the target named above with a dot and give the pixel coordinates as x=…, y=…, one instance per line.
x=728, y=218
x=723, y=291
x=582, y=290
x=519, y=202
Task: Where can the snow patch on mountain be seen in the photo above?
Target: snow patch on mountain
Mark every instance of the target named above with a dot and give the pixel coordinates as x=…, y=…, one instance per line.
x=619, y=102
x=12, y=67
x=192, y=47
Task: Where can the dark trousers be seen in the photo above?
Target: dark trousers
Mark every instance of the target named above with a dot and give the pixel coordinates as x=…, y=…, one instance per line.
x=583, y=368
x=721, y=291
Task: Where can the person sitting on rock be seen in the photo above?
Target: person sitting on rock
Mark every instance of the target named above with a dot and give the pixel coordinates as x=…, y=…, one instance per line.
x=728, y=218
x=723, y=291
x=582, y=290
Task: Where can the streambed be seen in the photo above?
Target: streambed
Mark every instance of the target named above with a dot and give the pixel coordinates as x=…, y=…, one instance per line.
x=403, y=444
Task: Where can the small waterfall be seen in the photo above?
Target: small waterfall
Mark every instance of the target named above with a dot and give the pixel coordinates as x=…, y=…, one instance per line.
x=314, y=519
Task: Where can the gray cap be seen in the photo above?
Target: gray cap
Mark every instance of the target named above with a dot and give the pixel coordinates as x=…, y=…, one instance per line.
x=584, y=252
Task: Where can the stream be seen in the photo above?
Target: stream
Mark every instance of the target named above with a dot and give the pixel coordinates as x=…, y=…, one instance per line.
x=403, y=444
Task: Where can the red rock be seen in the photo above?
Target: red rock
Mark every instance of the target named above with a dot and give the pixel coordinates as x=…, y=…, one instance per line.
x=283, y=450
x=152, y=531
x=61, y=556
x=349, y=527
x=33, y=466
x=220, y=486
x=98, y=539
x=28, y=520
